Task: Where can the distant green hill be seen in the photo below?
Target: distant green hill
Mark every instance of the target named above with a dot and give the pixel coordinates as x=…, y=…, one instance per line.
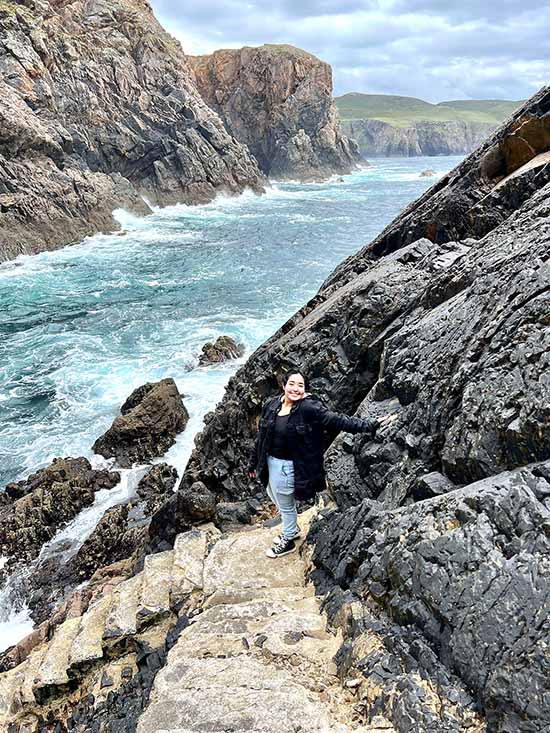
x=405, y=111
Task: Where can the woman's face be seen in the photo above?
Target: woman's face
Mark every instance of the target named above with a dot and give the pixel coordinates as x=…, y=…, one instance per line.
x=295, y=387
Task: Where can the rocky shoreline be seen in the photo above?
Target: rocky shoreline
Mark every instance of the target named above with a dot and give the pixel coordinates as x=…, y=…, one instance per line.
x=377, y=138
x=101, y=109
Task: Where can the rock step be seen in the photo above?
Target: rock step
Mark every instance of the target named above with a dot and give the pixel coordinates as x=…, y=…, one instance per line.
x=30, y=676
x=154, y=599
x=122, y=619
x=88, y=644
x=258, y=657
x=53, y=670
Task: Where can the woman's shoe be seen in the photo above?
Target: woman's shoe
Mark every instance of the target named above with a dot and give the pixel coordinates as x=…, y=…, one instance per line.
x=281, y=547
x=296, y=536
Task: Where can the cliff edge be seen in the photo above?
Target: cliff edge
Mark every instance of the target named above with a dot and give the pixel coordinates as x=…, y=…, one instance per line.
x=277, y=100
x=98, y=109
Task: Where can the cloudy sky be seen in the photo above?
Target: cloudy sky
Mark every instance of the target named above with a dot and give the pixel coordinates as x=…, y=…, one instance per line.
x=434, y=49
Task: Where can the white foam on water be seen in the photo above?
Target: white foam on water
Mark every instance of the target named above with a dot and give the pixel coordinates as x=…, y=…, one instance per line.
x=15, y=628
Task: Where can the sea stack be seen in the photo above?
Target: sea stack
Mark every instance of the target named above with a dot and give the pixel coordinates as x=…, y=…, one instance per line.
x=277, y=100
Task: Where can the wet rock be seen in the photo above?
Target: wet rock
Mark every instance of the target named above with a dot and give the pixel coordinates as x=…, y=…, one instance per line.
x=223, y=349
x=277, y=100
x=428, y=173
x=156, y=486
x=470, y=571
x=151, y=418
x=47, y=500
x=120, y=533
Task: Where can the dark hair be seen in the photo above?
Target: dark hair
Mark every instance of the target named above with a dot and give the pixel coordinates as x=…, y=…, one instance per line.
x=290, y=372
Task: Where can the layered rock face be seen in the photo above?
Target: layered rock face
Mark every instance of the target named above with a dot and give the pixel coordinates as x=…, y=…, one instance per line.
x=97, y=109
x=442, y=321
x=277, y=100
x=375, y=137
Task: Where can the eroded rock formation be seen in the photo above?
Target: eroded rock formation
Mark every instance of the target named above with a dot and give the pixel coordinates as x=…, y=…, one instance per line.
x=98, y=108
x=277, y=100
x=46, y=501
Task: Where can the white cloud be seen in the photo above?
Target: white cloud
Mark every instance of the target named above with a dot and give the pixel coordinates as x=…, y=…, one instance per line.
x=425, y=48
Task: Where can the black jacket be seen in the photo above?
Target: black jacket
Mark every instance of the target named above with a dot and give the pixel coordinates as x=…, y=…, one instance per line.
x=306, y=422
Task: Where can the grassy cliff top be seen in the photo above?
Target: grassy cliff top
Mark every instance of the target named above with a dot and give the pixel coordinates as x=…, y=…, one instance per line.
x=404, y=111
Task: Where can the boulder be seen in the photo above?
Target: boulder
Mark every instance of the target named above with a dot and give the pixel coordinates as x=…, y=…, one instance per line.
x=428, y=173
x=223, y=349
x=190, y=505
x=151, y=418
x=48, y=499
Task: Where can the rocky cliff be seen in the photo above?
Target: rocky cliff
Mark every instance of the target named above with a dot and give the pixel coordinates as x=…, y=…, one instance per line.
x=442, y=320
x=98, y=109
x=277, y=100
x=378, y=138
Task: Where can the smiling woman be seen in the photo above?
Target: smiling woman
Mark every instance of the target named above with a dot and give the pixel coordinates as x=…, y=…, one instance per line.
x=288, y=453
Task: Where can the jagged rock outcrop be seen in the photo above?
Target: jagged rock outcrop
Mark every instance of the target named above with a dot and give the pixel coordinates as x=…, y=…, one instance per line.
x=378, y=138
x=222, y=349
x=150, y=419
x=441, y=321
x=120, y=534
x=98, y=108
x=277, y=100
x=470, y=570
x=46, y=501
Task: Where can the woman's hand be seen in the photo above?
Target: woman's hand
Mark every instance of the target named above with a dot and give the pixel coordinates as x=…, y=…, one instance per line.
x=385, y=425
x=252, y=475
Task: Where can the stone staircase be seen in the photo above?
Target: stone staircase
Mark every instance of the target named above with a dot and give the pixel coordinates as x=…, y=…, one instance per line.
x=82, y=643
x=259, y=657
x=256, y=655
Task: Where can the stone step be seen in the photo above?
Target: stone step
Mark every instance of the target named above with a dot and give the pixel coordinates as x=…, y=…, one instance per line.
x=154, y=599
x=189, y=554
x=53, y=670
x=238, y=693
x=88, y=644
x=239, y=563
x=122, y=618
x=30, y=677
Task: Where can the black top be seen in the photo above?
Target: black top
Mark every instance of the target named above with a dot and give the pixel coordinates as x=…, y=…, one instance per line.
x=280, y=447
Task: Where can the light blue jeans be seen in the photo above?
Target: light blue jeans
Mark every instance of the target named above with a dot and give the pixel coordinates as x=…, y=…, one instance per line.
x=280, y=490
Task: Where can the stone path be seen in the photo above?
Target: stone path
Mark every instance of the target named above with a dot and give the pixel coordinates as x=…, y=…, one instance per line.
x=258, y=658
x=255, y=657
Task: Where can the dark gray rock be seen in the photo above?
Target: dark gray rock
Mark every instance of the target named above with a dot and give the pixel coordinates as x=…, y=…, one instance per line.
x=46, y=501
x=190, y=505
x=223, y=349
x=151, y=418
x=470, y=571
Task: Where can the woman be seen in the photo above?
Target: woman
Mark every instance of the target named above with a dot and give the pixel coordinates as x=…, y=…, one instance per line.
x=288, y=453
